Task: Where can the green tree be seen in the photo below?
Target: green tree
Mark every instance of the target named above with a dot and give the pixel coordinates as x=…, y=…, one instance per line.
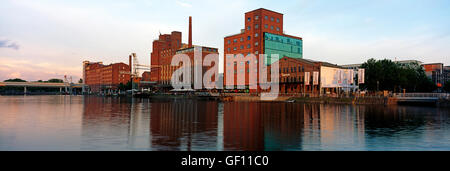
x=80, y=81
x=124, y=87
x=388, y=75
x=15, y=80
x=55, y=81
x=447, y=87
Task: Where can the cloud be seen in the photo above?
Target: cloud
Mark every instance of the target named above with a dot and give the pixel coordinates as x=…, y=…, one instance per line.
x=8, y=44
x=33, y=71
x=184, y=4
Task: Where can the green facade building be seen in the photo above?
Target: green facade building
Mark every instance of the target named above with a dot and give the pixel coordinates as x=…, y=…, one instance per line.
x=283, y=46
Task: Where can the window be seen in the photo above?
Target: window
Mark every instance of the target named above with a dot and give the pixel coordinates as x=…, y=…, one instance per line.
x=249, y=28
x=266, y=26
x=271, y=18
x=278, y=20
x=278, y=29
x=249, y=19
x=229, y=42
x=256, y=52
x=249, y=37
x=235, y=40
x=235, y=48
x=256, y=17
x=242, y=46
x=256, y=34
x=229, y=49
x=256, y=43
x=256, y=26
x=265, y=17
x=249, y=46
x=271, y=27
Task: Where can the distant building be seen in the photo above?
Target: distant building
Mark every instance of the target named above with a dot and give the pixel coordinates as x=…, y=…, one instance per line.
x=99, y=77
x=263, y=34
x=435, y=72
x=446, y=74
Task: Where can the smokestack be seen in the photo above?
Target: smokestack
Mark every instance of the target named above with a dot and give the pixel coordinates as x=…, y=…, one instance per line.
x=129, y=62
x=190, y=31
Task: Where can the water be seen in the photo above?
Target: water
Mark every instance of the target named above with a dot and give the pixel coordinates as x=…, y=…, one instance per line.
x=94, y=123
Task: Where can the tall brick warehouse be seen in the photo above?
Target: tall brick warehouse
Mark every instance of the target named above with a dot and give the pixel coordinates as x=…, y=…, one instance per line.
x=263, y=34
x=165, y=48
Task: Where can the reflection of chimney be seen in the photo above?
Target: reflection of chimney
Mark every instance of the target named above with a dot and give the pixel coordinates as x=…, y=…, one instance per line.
x=190, y=31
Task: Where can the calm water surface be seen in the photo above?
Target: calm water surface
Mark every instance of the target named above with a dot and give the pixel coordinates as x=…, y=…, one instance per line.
x=95, y=123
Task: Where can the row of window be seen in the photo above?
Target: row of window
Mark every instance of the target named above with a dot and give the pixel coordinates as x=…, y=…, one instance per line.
x=292, y=69
x=242, y=39
x=242, y=47
x=281, y=40
x=265, y=17
x=265, y=26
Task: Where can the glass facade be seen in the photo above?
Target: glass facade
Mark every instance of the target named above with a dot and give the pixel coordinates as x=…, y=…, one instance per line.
x=283, y=46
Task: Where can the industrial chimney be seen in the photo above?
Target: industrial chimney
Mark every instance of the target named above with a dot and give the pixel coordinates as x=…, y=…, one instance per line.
x=190, y=31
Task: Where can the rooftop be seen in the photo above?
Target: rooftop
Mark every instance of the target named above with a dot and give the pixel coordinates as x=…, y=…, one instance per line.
x=264, y=10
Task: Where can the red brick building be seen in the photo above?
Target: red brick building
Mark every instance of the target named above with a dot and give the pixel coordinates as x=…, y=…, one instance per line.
x=251, y=40
x=165, y=48
x=293, y=72
x=101, y=77
x=146, y=76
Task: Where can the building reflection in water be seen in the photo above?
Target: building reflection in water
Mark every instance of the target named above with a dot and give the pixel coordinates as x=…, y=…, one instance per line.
x=122, y=123
x=184, y=125
x=288, y=126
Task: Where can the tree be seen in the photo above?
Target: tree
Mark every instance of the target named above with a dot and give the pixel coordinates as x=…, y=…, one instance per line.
x=124, y=87
x=80, y=81
x=55, y=81
x=388, y=75
x=15, y=80
x=447, y=87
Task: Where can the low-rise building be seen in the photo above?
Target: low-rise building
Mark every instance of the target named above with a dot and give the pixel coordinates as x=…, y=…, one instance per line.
x=99, y=77
x=305, y=76
x=435, y=72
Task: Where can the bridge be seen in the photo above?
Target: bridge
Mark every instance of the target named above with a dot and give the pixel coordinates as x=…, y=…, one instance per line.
x=421, y=97
x=42, y=84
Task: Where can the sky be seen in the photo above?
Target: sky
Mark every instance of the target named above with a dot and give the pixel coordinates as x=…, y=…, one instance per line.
x=43, y=39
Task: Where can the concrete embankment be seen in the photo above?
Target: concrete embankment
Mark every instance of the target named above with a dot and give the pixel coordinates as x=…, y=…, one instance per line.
x=346, y=100
x=321, y=100
x=318, y=100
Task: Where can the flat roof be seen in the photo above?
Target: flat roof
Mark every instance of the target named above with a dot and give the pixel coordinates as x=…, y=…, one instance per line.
x=286, y=35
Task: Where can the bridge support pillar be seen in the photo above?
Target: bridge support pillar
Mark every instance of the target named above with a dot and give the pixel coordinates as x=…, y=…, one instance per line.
x=60, y=90
x=25, y=90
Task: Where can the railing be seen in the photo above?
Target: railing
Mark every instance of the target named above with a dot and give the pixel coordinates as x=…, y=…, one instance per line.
x=436, y=95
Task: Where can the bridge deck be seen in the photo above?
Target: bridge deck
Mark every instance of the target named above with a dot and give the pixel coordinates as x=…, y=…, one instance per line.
x=38, y=84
